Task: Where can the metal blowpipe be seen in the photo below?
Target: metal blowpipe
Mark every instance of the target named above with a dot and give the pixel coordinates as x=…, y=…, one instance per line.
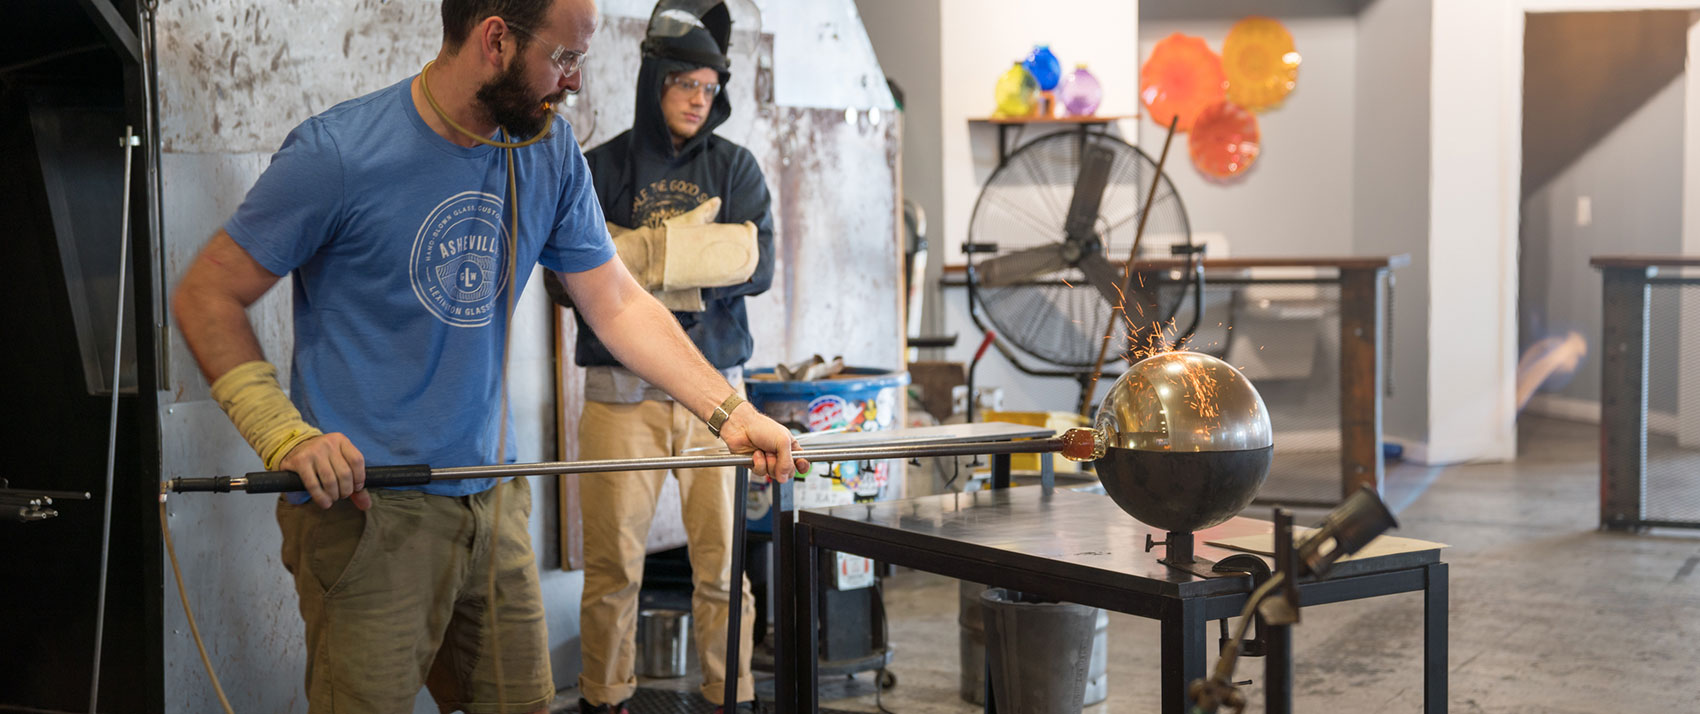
x=1075, y=444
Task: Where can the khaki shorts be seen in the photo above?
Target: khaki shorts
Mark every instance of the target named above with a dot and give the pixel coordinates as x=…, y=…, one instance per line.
x=395, y=598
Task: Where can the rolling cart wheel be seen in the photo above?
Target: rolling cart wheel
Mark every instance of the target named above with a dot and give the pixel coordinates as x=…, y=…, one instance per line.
x=886, y=679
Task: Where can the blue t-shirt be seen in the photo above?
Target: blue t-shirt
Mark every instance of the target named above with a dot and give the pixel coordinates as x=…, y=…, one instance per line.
x=398, y=243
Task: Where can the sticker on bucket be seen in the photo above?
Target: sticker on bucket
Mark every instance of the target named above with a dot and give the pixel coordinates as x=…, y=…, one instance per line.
x=854, y=572
x=828, y=411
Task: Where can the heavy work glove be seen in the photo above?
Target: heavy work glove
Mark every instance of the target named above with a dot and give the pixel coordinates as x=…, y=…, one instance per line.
x=643, y=251
x=688, y=252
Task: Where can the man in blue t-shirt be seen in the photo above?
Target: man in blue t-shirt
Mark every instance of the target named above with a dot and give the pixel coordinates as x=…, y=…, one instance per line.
x=410, y=219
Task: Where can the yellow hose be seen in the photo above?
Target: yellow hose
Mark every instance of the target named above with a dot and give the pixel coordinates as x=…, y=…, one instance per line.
x=182, y=594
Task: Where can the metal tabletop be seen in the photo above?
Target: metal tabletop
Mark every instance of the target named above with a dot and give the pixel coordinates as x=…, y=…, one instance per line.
x=1063, y=533
x=1078, y=548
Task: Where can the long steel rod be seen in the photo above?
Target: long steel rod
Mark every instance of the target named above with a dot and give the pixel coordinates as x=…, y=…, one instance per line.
x=735, y=610
x=865, y=453
x=129, y=141
x=62, y=495
x=552, y=468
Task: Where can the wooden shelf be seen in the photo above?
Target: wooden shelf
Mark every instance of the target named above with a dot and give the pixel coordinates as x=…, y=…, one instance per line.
x=1020, y=124
x=1094, y=119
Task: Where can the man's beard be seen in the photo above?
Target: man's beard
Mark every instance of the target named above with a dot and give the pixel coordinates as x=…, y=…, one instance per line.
x=512, y=106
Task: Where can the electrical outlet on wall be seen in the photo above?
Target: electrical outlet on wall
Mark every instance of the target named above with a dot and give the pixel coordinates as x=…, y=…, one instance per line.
x=1584, y=211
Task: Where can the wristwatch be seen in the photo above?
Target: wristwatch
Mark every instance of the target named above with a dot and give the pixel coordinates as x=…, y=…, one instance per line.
x=722, y=413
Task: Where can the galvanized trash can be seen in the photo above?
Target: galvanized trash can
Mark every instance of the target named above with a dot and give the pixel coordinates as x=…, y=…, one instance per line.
x=663, y=643
x=1040, y=652
x=971, y=649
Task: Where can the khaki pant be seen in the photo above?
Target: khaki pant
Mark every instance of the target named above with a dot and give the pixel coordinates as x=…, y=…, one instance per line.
x=617, y=510
x=396, y=598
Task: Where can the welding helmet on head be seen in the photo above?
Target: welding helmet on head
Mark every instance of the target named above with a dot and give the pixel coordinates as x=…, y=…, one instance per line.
x=696, y=32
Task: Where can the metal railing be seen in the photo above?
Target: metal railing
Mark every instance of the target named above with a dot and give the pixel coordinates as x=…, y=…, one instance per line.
x=1649, y=438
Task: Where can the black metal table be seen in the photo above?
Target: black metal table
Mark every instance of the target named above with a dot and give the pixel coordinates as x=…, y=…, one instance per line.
x=1080, y=548
x=784, y=526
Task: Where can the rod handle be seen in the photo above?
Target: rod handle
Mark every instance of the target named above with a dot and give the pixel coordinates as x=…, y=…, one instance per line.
x=376, y=477
x=210, y=484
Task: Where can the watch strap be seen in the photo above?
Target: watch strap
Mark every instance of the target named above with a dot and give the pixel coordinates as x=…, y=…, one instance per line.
x=722, y=413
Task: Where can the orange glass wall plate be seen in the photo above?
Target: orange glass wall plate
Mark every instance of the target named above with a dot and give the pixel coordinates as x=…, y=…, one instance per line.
x=1261, y=64
x=1224, y=141
x=1181, y=77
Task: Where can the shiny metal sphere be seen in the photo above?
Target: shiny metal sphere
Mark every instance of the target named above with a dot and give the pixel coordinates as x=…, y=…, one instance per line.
x=1187, y=441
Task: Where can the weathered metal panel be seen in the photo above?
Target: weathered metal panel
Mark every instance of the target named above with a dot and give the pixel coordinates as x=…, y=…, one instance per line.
x=227, y=545
x=838, y=283
x=823, y=56
x=604, y=106
x=236, y=75
x=244, y=601
x=202, y=190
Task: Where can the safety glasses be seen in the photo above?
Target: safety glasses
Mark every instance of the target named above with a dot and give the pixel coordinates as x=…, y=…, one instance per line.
x=691, y=86
x=568, y=61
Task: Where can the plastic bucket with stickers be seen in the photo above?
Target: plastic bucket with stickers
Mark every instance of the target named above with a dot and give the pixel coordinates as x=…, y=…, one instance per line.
x=857, y=399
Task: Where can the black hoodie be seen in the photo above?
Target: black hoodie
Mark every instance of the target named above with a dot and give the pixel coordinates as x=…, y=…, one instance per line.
x=641, y=180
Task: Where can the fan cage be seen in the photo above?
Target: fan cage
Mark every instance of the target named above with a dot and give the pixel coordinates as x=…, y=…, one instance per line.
x=1060, y=318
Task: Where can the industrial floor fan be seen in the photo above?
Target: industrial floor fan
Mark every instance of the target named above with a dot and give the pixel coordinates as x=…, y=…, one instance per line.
x=1045, y=242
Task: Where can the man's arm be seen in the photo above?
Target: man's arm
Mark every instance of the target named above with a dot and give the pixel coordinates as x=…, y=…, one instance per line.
x=210, y=305
x=646, y=338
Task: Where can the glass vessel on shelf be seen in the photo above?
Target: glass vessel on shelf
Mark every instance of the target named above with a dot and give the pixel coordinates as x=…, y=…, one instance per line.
x=1080, y=92
x=1017, y=93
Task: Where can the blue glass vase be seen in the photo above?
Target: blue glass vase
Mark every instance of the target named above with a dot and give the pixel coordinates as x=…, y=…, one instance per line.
x=1044, y=66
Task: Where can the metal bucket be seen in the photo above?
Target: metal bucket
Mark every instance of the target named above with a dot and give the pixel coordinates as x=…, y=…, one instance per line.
x=663, y=643
x=1038, y=654
x=971, y=648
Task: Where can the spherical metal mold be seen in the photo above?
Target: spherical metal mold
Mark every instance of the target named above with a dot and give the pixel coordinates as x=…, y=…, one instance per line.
x=1188, y=441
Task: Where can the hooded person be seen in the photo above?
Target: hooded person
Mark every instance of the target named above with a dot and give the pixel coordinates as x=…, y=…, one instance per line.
x=691, y=219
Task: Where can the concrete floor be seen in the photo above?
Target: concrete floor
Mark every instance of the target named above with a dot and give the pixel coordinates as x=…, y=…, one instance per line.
x=1548, y=614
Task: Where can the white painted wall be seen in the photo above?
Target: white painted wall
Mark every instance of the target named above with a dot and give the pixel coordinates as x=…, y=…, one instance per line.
x=1475, y=168
x=948, y=55
x=978, y=41
x=1688, y=404
x=1474, y=165
x=1633, y=181
x=905, y=36
x=1297, y=197
x=1390, y=200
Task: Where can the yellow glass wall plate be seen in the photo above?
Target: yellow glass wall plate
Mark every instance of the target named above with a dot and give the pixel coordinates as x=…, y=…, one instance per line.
x=1261, y=63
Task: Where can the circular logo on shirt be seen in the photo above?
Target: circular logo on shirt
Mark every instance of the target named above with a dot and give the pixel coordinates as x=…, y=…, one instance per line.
x=459, y=264
x=665, y=199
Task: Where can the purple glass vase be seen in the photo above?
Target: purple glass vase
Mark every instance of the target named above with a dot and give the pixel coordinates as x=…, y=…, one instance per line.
x=1080, y=92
